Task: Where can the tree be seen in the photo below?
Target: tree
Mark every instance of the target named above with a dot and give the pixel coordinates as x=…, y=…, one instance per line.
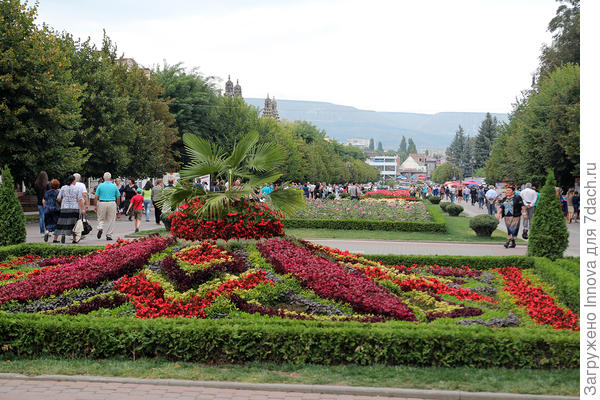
x=484, y=141
x=39, y=100
x=459, y=152
x=372, y=144
x=565, y=27
x=549, y=236
x=12, y=217
x=402, y=149
x=445, y=172
x=412, y=147
x=256, y=164
x=379, y=146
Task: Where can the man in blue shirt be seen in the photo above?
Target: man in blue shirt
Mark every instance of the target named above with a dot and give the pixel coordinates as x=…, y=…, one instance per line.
x=106, y=203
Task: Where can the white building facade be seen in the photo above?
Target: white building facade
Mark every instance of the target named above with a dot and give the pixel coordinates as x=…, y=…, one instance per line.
x=387, y=166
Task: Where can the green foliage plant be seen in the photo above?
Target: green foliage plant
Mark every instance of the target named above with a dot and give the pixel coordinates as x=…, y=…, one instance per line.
x=12, y=217
x=548, y=236
x=444, y=204
x=434, y=199
x=564, y=282
x=454, y=209
x=483, y=225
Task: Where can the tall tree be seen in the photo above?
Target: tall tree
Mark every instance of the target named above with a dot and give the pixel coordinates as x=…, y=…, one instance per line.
x=402, y=149
x=371, y=144
x=39, y=100
x=565, y=27
x=484, y=141
x=412, y=147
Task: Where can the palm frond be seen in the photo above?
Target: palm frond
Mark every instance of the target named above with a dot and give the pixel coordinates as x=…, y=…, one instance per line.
x=183, y=191
x=215, y=205
x=201, y=150
x=242, y=149
x=288, y=201
x=266, y=157
x=214, y=168
x=259, y=181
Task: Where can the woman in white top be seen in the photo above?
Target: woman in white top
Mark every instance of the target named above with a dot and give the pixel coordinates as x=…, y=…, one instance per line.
x=71, y=205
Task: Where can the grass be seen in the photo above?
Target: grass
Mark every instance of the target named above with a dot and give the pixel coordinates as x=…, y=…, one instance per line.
x=555, y=382
x=457, y=231
x=161, y=231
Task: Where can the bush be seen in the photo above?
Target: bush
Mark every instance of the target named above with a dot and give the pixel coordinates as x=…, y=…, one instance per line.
x=286, y=341
x=12, y=217
x=434, y=199
x=454, y=209
x=331, y=196
x=444, y=204
x=565, y=283
x=344, y=195
x=483, y=225
x=44, y=250
x=476, y=262
x=548, y=236
x=164, y=217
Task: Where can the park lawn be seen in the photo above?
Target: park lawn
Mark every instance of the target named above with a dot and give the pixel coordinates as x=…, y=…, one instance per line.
x=457, y=231
x=546, y=382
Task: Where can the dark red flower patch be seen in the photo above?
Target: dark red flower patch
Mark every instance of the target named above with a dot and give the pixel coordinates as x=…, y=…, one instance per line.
x=539, y=305
x=86, y=271
x=456, y=313
x=330, y=280
x=86, y=307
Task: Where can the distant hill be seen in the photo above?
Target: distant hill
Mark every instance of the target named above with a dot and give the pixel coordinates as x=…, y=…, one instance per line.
x=434, y=131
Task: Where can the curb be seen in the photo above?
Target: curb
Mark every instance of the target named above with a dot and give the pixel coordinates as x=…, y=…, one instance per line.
x=276, y=387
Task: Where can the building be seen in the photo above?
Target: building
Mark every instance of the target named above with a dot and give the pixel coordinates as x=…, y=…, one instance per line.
x=233, y=91
x=358, y=142
x=270, y=110
x=387, y=166
x=413, y=166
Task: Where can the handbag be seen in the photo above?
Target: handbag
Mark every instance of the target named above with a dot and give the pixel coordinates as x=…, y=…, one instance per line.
x=87, y=228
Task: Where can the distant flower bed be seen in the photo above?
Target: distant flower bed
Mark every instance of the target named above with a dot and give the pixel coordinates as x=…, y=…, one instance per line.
x=388, y=194
x=366, y=209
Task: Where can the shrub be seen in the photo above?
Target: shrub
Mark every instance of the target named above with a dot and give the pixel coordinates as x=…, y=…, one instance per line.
x=344, y=195
x=548, y=236
x=12, y=217
x=164, y=217
x=483, y=225
x=454, y=209
x=475, y=262
x=44, y=250
x=352, y=224
x=444, y=204
x=331, y=196
x=564, y=282
x=434, y=199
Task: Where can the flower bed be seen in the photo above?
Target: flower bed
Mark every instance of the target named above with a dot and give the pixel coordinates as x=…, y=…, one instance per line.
x=389, y=194
x=245, y=220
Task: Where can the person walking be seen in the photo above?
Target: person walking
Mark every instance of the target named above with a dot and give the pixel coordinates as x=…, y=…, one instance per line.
x=155, y=197
x=81, y=186
x=71, y=207
x=40, y=186
x=490, y=196
x=511, y=209
x=51, y=208
x=107, y=202
x=570, y=207
x=452, y=193
x=121, y=188
x=481, y=196
x=576, y=202
x=137, y=206
x=529, y=197
x=128, y=192
x=147, y=193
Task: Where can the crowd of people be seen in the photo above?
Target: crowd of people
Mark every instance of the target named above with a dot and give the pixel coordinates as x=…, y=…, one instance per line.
x=61, y=207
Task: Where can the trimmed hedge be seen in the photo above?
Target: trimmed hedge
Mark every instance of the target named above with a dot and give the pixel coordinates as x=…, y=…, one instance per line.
x=285, y=341
x=44, y=250
x=438, y=224
x=570, y=265
x=483, y=225
x=476, y=262
x=434, y=199
x=565, y=283
x=454, y=209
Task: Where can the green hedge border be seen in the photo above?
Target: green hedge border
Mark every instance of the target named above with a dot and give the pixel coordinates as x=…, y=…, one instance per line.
x=476, y=262
x=565, y=283
x=438, y=224
x=286, y=341
x=44, y=250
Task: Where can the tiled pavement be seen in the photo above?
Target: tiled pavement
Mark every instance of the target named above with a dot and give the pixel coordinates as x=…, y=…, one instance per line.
x=17, y=389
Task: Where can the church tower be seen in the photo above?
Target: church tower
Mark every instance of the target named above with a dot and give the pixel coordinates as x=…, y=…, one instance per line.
x=237, y=90
x=229, y=87
x=270, y=109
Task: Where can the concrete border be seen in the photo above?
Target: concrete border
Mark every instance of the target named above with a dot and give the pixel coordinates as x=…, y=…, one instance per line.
x=276, y=387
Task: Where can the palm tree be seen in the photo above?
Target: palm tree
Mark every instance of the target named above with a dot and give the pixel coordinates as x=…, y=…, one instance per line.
x=256, y=165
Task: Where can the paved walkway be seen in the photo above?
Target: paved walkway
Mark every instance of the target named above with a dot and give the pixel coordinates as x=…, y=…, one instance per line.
x=60, y=387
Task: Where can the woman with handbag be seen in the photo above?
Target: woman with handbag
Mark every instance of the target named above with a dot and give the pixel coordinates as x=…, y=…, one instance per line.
x=71, y=205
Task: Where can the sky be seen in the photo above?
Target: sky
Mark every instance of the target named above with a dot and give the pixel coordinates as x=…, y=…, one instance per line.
x=424, y=56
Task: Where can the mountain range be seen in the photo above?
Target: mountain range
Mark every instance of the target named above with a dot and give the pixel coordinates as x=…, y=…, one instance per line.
x=429, y=131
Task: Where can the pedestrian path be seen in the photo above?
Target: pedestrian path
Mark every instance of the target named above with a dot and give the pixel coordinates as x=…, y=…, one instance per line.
x=60, y=387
